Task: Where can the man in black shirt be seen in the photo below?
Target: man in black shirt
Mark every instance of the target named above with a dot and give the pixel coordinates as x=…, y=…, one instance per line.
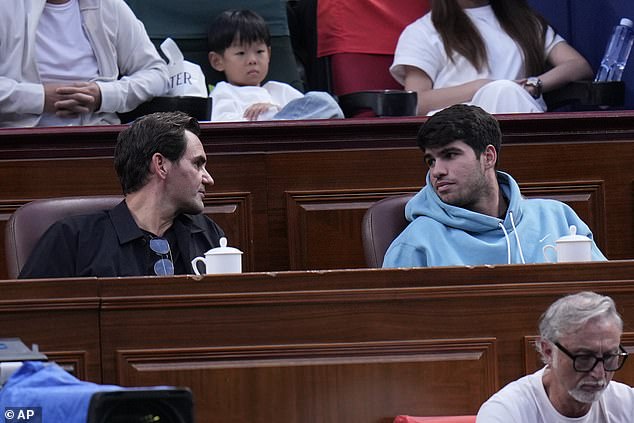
x=158, y=228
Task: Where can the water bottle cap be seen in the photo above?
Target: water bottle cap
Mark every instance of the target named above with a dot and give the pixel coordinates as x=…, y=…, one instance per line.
x=626, y=22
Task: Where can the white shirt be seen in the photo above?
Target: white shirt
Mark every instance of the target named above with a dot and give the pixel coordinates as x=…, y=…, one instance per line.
x=229, y=101
x=525, y=401
x=63, y=52
x=421, y=46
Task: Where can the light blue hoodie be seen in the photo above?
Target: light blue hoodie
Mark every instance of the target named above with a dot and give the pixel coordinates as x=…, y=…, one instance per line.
x=443, y=235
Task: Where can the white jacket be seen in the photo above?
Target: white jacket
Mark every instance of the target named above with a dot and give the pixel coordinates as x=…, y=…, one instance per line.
x=121, y=47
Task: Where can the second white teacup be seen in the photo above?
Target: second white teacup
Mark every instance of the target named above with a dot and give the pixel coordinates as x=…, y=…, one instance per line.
x=570, y=248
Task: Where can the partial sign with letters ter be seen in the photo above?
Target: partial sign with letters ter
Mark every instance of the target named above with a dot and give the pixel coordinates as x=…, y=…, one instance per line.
x=185, y=78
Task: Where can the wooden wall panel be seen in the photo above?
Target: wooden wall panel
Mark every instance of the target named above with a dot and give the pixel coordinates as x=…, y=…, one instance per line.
x=74, y=362
x=234, y=213
x=6, y=210
x=238, y=203
x=324, y=230
x=42, y=178
x=295, y=177
x=349, y=382
x=61, y=317
x=350, y=306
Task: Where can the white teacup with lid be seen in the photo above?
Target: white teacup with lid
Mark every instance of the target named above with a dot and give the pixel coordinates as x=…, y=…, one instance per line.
x=570, y=248
x=221, y=259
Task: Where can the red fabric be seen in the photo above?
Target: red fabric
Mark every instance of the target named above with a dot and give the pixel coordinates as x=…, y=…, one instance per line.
x=364, y=26
x=438, y=419
x=352, y=72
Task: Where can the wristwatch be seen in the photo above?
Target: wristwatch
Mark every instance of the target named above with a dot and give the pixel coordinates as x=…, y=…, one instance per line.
x=533, y=81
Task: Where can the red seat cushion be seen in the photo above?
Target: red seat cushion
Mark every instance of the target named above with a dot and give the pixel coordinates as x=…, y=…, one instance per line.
x=360, y=37
x=364, y=26
x=353, y=72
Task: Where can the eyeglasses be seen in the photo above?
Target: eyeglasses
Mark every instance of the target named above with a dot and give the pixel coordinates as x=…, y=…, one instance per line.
x=163, y=266
x=587, y=362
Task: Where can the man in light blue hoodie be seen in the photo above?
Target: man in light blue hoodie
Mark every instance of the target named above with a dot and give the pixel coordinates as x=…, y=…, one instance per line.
x=469, y=213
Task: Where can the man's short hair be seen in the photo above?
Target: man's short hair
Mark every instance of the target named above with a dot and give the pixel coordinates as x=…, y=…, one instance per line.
x=162, y=133
x=242, y=27
x=568, y=314
x=461, y=122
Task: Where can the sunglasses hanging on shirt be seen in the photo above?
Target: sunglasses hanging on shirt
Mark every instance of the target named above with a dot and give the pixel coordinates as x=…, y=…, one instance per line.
x=165, y=265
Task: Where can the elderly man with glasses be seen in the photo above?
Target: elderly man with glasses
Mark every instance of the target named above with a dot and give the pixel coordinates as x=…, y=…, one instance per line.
x=158, y=228
x=580, y=343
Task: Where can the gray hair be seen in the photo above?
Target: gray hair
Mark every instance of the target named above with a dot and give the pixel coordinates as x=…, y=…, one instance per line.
x=570, y=313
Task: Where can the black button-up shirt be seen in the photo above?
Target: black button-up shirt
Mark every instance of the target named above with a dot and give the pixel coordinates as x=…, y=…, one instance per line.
x=109, y=243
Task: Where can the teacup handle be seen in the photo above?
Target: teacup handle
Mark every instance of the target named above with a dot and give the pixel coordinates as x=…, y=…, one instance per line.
x=195, y=262
x=550, y=247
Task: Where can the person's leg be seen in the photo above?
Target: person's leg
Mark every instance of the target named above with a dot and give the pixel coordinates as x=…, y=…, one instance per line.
x=313, y=105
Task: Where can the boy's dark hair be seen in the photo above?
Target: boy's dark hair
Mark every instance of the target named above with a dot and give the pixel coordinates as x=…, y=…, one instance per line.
x=154, y=133
x=239, y=26
x=469, y=124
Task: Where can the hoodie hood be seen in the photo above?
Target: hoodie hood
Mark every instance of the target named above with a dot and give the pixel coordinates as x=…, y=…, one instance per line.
x=427, y=203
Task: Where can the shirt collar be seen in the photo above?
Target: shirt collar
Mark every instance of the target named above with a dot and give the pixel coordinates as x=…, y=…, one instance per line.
x=127, y=230
x=124, y=224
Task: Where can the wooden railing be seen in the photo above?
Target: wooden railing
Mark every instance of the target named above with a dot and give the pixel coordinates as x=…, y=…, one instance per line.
x=354, y=346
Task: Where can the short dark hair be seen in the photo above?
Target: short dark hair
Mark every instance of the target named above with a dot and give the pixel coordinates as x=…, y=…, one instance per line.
x=162, y=133
x=469, y=124
x=237, y=26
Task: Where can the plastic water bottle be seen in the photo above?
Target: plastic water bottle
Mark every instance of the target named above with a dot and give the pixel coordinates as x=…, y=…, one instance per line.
x=617, y=52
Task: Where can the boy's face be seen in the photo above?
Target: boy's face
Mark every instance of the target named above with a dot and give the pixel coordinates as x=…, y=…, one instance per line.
x=243, y=65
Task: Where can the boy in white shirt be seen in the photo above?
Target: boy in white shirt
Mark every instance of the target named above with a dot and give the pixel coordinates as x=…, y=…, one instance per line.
x=240, y=46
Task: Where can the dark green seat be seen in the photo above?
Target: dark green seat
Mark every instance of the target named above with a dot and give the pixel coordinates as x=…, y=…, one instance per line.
x=187, y=22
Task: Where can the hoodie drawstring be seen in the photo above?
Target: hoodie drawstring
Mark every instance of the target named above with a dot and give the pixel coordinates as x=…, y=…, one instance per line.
x=517, y=238
x=508, y=241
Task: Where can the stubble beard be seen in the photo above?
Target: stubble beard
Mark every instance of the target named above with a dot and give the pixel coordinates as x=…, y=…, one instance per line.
x=471, y=194
x=194, y=206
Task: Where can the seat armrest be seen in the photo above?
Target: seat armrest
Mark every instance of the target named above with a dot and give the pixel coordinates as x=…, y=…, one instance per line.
x=587, y=94
x=381, y=102
x=197, y=107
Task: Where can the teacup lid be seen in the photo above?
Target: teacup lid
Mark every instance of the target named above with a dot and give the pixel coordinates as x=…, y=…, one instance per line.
x=573, y=237
x=223, y=249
